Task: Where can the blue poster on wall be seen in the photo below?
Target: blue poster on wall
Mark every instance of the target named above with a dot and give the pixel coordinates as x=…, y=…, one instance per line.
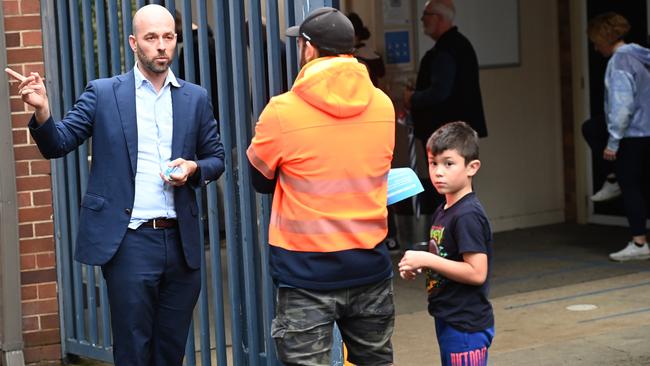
x=398, y=50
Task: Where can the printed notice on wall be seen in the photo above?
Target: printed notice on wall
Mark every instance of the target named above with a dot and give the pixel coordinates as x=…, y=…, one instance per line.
x=397, y=12
x=397, y=46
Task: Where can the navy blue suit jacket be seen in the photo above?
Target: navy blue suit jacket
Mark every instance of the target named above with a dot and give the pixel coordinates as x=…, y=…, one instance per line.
x=106, y=112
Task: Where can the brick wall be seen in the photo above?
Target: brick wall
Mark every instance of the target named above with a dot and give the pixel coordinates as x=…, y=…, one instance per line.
x=40, y=308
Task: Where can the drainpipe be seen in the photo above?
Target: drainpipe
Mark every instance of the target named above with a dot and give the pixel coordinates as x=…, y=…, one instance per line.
x=11, y=331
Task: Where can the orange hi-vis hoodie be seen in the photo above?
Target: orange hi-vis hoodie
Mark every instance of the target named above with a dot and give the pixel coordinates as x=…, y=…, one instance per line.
x=329, y=141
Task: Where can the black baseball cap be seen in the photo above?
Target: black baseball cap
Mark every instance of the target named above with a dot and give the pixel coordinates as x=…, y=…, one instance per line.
x=326, y=28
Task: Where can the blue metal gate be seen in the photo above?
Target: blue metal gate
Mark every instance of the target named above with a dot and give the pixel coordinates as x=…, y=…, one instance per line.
x=88, y=39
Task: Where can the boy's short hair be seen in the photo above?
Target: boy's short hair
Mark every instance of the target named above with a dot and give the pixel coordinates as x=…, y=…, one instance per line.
x=608, y=28
x=457, y=136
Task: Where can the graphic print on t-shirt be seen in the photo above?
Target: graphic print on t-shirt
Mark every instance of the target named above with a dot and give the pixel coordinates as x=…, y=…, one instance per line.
x=435, y=282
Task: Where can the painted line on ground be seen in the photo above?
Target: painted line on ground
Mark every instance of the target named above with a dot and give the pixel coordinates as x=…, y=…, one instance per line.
x=507, y=280
x=616, y=315
x=562, y=298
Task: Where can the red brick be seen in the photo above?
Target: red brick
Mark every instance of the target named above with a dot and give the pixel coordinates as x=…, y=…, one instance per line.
x=27, y=153
x=44, y=229
x=38, y=307
x=24, y=199
x=30, y=7
x=20, y=120
x=39, y=354
x=21, y=23
x=40, y=167
x=42, y=198
x=45, y=260
x=22, y=168
x=31, y=214
x=39, y=245
x=32, y=38
x=29, y=292
x=12, y=39
x=20, y=136
x=22, y=55
x=17, y=105
x=37, y=276
x=42, y=337
x=26, y=231
x=50, y=321
x=27, y=262
x=47, y=290
x=13, y=87
x=35, y=67
x=10, y=7
x=30, y=323
x=32, y=183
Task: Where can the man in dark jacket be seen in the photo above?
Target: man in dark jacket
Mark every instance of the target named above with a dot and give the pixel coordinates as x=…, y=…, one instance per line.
x=447, y=87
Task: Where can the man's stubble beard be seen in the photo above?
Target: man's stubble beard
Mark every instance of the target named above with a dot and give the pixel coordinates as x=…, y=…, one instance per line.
x=150, y=64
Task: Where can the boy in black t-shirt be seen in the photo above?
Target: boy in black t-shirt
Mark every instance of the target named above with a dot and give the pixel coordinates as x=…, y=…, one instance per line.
x=457, y=264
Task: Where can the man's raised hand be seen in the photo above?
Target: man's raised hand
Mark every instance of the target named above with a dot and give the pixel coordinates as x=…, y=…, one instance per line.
x=32, y=91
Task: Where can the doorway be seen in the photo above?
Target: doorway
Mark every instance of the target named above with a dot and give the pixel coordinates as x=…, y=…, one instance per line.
x=636, y=12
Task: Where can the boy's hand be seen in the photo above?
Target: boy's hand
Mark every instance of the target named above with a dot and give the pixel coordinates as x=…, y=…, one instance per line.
x=408, y=275
x=413, y=261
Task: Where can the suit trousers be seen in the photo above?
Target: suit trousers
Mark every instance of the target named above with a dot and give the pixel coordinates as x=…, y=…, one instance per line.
x=152, y=293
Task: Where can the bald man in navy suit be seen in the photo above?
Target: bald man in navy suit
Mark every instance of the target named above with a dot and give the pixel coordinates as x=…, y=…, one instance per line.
x=136, y=222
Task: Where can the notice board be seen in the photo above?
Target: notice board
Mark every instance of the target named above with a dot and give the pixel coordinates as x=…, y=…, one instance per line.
x=492, y=26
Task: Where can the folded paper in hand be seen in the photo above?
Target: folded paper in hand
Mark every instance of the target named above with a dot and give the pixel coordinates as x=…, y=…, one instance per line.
x=402, y=183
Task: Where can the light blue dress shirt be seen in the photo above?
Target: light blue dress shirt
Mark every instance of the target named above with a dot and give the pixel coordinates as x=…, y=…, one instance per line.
x=153, y=197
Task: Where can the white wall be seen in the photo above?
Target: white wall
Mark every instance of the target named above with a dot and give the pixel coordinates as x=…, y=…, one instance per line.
x=521, y=182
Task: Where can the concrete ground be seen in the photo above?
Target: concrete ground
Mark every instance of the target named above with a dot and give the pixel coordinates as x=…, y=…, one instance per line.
x=537, y=274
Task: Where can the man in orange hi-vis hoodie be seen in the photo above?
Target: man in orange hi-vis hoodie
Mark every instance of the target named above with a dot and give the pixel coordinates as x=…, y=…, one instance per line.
x=324, y=148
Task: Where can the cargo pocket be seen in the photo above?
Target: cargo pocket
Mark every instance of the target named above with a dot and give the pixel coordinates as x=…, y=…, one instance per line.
x=302, y=343
x=278, y=328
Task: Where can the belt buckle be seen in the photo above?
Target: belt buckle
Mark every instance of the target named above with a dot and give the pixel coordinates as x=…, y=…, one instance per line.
x=155, y=227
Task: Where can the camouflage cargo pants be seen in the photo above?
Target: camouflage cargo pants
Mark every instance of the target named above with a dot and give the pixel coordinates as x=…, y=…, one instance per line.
x=302, y=328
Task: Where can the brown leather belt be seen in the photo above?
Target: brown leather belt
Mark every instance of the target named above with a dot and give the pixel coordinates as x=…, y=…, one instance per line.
x=160, y=223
